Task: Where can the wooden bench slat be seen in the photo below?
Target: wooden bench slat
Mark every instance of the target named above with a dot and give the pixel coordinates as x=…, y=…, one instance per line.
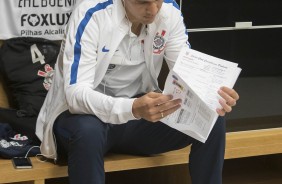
x=239, y=144
x=127, y=162
x=253, y=143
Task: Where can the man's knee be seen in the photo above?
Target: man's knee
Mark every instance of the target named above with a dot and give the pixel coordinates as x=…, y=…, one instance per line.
x=90, y=128
x=219, y=129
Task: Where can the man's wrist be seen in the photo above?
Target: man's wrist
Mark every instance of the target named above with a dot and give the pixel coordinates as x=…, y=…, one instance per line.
x=134, y=111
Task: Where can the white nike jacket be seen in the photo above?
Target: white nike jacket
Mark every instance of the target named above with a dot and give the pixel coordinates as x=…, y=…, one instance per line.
x=94, y=33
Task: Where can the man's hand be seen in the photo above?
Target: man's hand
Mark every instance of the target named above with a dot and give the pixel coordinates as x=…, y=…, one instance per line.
x=229, y=99
x=154, y=106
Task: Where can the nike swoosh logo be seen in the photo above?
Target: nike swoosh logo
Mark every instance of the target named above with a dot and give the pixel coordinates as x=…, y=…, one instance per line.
x=105, y=50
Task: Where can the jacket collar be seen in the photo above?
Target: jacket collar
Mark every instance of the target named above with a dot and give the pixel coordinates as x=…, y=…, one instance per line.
x=119, y=15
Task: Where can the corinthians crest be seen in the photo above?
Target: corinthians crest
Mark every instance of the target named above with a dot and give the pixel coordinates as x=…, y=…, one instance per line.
x=159, y=42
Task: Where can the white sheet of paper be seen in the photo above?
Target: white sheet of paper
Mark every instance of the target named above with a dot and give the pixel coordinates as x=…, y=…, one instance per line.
x=196, y=78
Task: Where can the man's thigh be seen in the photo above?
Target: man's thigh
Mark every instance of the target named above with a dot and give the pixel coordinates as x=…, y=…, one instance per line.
x=145, y=138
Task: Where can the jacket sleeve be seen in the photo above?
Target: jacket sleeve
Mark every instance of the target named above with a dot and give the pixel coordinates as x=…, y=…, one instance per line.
x=178, y=37
x=80, y=65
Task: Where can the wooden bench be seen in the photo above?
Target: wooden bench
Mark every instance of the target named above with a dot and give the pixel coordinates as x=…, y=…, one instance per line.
x=239, y=144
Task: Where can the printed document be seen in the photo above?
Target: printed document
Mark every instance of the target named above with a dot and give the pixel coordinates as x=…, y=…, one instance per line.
x=196, y=78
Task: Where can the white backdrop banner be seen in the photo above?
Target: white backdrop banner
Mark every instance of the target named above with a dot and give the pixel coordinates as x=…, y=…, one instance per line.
x=35, y=18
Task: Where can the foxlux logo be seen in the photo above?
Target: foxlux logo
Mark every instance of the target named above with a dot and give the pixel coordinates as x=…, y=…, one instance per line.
x=45, y=19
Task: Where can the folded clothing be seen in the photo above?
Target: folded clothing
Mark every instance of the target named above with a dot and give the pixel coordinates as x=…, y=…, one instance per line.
x=15, y=145
x=22, y=125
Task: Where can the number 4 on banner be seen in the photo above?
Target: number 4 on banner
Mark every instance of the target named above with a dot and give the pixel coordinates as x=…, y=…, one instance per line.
x=36, y=55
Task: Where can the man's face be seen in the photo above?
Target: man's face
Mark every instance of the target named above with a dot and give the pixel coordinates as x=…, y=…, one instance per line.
x=142, y=11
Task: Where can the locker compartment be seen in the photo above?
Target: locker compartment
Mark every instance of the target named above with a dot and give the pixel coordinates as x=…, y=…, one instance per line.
x=224, y=13
x=258, y=51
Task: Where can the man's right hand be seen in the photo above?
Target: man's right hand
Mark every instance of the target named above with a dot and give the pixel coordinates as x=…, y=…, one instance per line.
x=154, y=106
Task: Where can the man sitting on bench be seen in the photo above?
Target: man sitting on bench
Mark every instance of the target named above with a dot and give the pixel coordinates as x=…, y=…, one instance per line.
x=103, y=97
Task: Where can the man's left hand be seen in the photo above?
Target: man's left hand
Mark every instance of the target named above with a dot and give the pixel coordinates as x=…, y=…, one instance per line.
x=229, y=100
